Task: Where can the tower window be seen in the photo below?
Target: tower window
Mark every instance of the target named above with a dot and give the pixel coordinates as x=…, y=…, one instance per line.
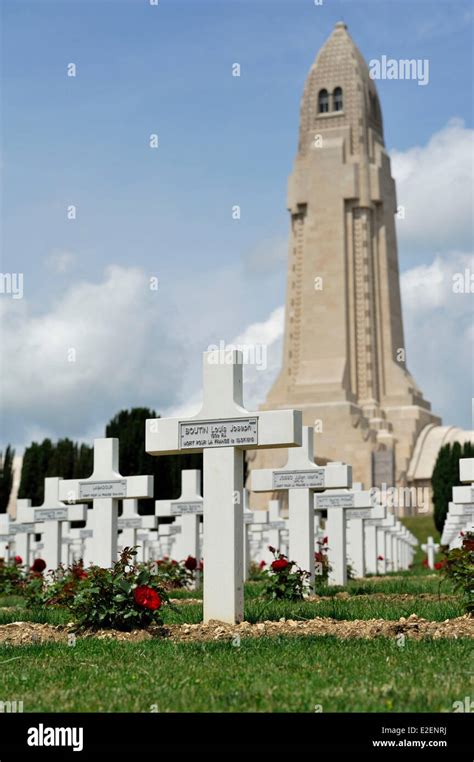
x=337, y=99
x=323, y=102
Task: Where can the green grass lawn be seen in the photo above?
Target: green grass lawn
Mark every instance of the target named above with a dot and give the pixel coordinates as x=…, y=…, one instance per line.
x=265, y=675
x=257, y=610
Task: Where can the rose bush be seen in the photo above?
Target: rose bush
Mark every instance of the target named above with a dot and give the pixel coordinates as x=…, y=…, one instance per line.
x=38, y=566
x=459, y=568
x=11, y=576
x=125, y=597
x=58, y=588
x=284, y=579
x=321, y=562
x=173, y=575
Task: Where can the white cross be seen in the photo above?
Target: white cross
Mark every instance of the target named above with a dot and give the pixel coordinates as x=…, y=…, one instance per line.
x=302, y=477
x=384, y=542
x=430, y=548
x=222, y=430
x=167, y=538
x=277, y=524
x=466, y=470
x=248, y=520
x=392, y=545
x=49, y=518
x=190, y=507
x=347, y=508
x=5, y=537
x=130, y=522
x=105, y=487
x=23, y=528
x=379, y=513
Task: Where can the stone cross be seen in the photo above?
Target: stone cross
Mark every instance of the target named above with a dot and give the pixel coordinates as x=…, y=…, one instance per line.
x=130, y=522
x=22, y=529
x=145, y=540
x=167, y=537
x=379, y=513
x=430, y=548
x=277, y=524
x=384, y=542
x=340, y=503
x=104, y=488
x=189, y=506
x=466, y=470
x=302, y=477
x=50, y=517
x=249, y=518
x=355, y=527
x=222, y=430
x=5, y=538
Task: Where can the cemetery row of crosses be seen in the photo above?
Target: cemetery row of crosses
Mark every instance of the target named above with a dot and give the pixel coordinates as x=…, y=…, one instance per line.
x=217, y=526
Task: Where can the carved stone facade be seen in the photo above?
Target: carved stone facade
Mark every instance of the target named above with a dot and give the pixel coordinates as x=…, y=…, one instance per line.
x=344, y=362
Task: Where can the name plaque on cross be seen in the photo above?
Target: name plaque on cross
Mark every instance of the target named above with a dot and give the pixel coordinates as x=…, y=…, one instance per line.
x=233, y=432
x=51, y=514
x=130, y=523
x=85, y=533
x=359, y=513
x=92, y=490
x=4, y=537
x=324, y=502
x=22, y=529
x=176, y=509
x=298, y=479
x=372, y=522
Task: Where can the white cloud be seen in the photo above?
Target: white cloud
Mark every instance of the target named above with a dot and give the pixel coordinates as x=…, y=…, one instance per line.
x=60, y=260
x=435, y=186
x=101, y=346
x=261, y=343
x=439, y=335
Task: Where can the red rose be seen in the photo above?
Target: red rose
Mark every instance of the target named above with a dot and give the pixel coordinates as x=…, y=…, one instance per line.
x=425, y=562
x=439, y=565
x=325, y=540
x=380, y=558
x=190, y=563
x=38, y=565
x=147, y=597
x=262, y=564
x=468, y=544
x=280, y=564
x=18, y=560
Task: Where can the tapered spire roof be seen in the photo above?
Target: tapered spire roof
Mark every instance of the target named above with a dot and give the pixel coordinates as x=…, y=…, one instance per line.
x=340, y=66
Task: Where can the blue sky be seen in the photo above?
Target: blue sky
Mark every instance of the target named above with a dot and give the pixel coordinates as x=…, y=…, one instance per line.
x=143, y=69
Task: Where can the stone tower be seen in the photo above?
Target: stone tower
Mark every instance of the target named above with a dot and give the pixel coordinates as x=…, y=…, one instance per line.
x=344, y=359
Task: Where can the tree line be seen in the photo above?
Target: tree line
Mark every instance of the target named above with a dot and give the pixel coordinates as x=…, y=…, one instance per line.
x=73, y=460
